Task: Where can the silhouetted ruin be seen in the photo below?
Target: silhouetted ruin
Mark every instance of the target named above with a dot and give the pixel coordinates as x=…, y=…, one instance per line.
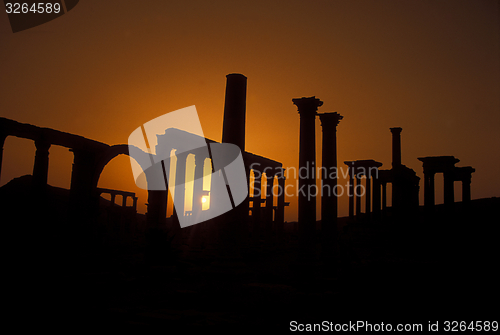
x=68, y=236
x=307, y=108
x=329, y=191
x=446, y=166
x=256, y=214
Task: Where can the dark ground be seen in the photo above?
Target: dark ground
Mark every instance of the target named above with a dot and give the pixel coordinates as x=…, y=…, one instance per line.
x=426, y=268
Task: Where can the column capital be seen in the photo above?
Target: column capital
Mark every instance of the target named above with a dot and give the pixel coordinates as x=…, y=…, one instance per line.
x=42, y=145
x=330, y=120
x=396, y=130
x=307, y=106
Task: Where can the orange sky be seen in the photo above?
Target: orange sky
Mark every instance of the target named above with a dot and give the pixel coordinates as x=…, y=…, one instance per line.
x=106, y=67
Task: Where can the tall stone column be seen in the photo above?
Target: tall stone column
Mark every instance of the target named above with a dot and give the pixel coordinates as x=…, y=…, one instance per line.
x=41, y=166
x=307, y=108
x=233, y=131
x=235, y=110
x=329, y=200
x=396, y=146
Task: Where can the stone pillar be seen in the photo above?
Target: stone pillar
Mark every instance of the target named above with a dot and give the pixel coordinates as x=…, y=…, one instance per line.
x=431, y=165
x=368, y=195
x=307, y=108
x=466, y=176
x=329, y=200
x=429, y=200
x=180, y=184
x=135, y=204
x=269, y=199
x=235, y=110
x=81, y=188
x=198, y=183
x=257, y=196
x=113, y=199
x=166, y=174
x=466, y=194
x=357, y=194
x=351, y=192
x=41, y=166
x=124, y=200
x=157, y=209
x=396, y=146
x=376, y=206
x=280, y=208
x=449, y=192
x=268, y=211
x=384, y=196
x=2, y=142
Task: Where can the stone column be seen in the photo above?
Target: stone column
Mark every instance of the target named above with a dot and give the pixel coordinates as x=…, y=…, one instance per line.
x=135, y=204
x=113, y=199
x=81, y=188
x=198, y=183
x=268, y=211
x=257, y=196
x=329, y=200
x=166, y=174
x=180, y=184
x=2, y=142
x=235, y=110
x=449, y=192
x=351, y=191
x=376, y=206
x=269, y=199
x=307, y=108
x=429, y=200
x=368, y=195
x=280, y=208
x=466, y=176
x=124, y=200
x=41, y=166
x=396, y=146
x=157, y=209
x=384, y=196
x=357, y=194
x=466, y=194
